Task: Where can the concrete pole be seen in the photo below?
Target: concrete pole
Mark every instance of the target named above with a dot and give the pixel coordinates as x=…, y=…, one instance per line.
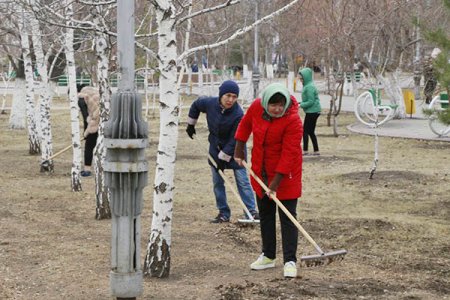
x=125, y=44
x=125, y=166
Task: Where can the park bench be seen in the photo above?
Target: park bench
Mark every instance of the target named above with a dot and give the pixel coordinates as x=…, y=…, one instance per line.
x=356, y=75
x=63, y=80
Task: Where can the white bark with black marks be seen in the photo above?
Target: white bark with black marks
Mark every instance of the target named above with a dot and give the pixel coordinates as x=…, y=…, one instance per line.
x=44, y=97
x=33, y=132
x=73, y=100
x=157, y=261
x=102, y=49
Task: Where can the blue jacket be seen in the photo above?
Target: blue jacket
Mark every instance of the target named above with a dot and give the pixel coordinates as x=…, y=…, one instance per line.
x=222, y=125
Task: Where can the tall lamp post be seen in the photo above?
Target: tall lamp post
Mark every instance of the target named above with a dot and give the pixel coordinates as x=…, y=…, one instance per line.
x=256, y=75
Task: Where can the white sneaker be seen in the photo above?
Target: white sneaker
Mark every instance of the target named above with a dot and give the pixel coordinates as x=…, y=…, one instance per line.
x=262, y=263
x=290, y=269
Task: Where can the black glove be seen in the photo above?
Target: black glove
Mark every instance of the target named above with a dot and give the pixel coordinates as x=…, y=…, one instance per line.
x=190, y=131
x=221, y=164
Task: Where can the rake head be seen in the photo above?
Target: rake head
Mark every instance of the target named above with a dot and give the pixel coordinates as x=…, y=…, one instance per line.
x=248, y=221
x=322, y=259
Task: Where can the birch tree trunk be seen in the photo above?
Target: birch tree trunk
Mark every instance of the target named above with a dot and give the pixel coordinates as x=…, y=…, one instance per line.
x=18, y=105
x=33, y=132
x=102, y=48
x=17, y=116
x=157, y=260
x=44, y=97
x=73, y=100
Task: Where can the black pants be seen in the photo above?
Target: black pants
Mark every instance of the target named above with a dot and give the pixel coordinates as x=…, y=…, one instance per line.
x=289, y=232
x=309, y=128
x=89, y=145
x=430, y=86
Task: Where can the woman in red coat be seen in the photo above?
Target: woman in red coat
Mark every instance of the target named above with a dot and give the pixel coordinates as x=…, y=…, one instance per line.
x=277, y=159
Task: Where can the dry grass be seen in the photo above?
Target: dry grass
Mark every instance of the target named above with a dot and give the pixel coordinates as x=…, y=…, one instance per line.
x=396, y=227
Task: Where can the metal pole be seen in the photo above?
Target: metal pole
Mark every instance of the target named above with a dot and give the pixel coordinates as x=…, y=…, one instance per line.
x=256, y=74
x=125, y=165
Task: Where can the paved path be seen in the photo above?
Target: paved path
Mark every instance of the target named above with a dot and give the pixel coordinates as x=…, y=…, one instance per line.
x=416, y=127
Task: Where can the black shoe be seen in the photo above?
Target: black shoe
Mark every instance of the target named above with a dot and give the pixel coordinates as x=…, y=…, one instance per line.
x=85, y=173
x=220, y=219
x=255, y=215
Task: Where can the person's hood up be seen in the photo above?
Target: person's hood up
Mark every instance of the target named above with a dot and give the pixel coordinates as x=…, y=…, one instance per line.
x=307, y=75
x=271, y=90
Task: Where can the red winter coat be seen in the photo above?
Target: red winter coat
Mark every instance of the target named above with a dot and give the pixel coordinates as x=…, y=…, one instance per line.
x=276, y=148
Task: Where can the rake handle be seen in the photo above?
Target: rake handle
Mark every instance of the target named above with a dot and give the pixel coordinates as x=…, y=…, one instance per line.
x=62, y=151
x=249, y=215
x=283, y=208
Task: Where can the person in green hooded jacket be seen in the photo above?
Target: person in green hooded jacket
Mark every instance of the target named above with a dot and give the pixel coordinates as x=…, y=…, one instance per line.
x=311, y=106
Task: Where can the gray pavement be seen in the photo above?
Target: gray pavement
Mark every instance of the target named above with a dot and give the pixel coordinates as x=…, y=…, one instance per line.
x=414, y=127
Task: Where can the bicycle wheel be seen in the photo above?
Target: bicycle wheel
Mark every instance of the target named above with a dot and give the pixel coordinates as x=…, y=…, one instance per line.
x=438, y=128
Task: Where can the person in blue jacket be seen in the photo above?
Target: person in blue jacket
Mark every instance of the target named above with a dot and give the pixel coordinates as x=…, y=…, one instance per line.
x=223, y=115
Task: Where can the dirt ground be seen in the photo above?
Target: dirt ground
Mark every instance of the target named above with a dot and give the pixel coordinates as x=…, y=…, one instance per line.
x=396, y=227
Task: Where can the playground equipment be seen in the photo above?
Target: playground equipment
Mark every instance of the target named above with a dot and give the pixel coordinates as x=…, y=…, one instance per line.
x=370, y=111
x=439, y=105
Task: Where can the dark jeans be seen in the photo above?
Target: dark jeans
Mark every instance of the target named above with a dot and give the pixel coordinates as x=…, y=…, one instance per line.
x=89, y=145
x=289, y=232
x=309, y=127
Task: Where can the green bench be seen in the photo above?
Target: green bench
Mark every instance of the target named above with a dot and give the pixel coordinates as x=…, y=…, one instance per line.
x=443, y=99
x=357, y=76
x=63, y=80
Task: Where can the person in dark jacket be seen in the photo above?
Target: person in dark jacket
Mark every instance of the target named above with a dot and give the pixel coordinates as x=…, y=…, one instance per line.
x=429, y=75
x=276, y=159
x=311, y=106
x=223, y=115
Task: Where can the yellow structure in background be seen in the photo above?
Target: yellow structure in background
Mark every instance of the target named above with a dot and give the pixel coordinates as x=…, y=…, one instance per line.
x=408, y=98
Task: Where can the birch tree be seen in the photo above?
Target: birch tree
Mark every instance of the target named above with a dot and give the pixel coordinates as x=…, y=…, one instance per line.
x=33, y=132
x=44, y=95
x=102, y=49
x=73, y=100
x=18, y=106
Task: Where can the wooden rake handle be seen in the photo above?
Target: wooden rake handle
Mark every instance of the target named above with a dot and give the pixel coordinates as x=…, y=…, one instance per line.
x=283, y=208
x=62, y=151
x=232, y=188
